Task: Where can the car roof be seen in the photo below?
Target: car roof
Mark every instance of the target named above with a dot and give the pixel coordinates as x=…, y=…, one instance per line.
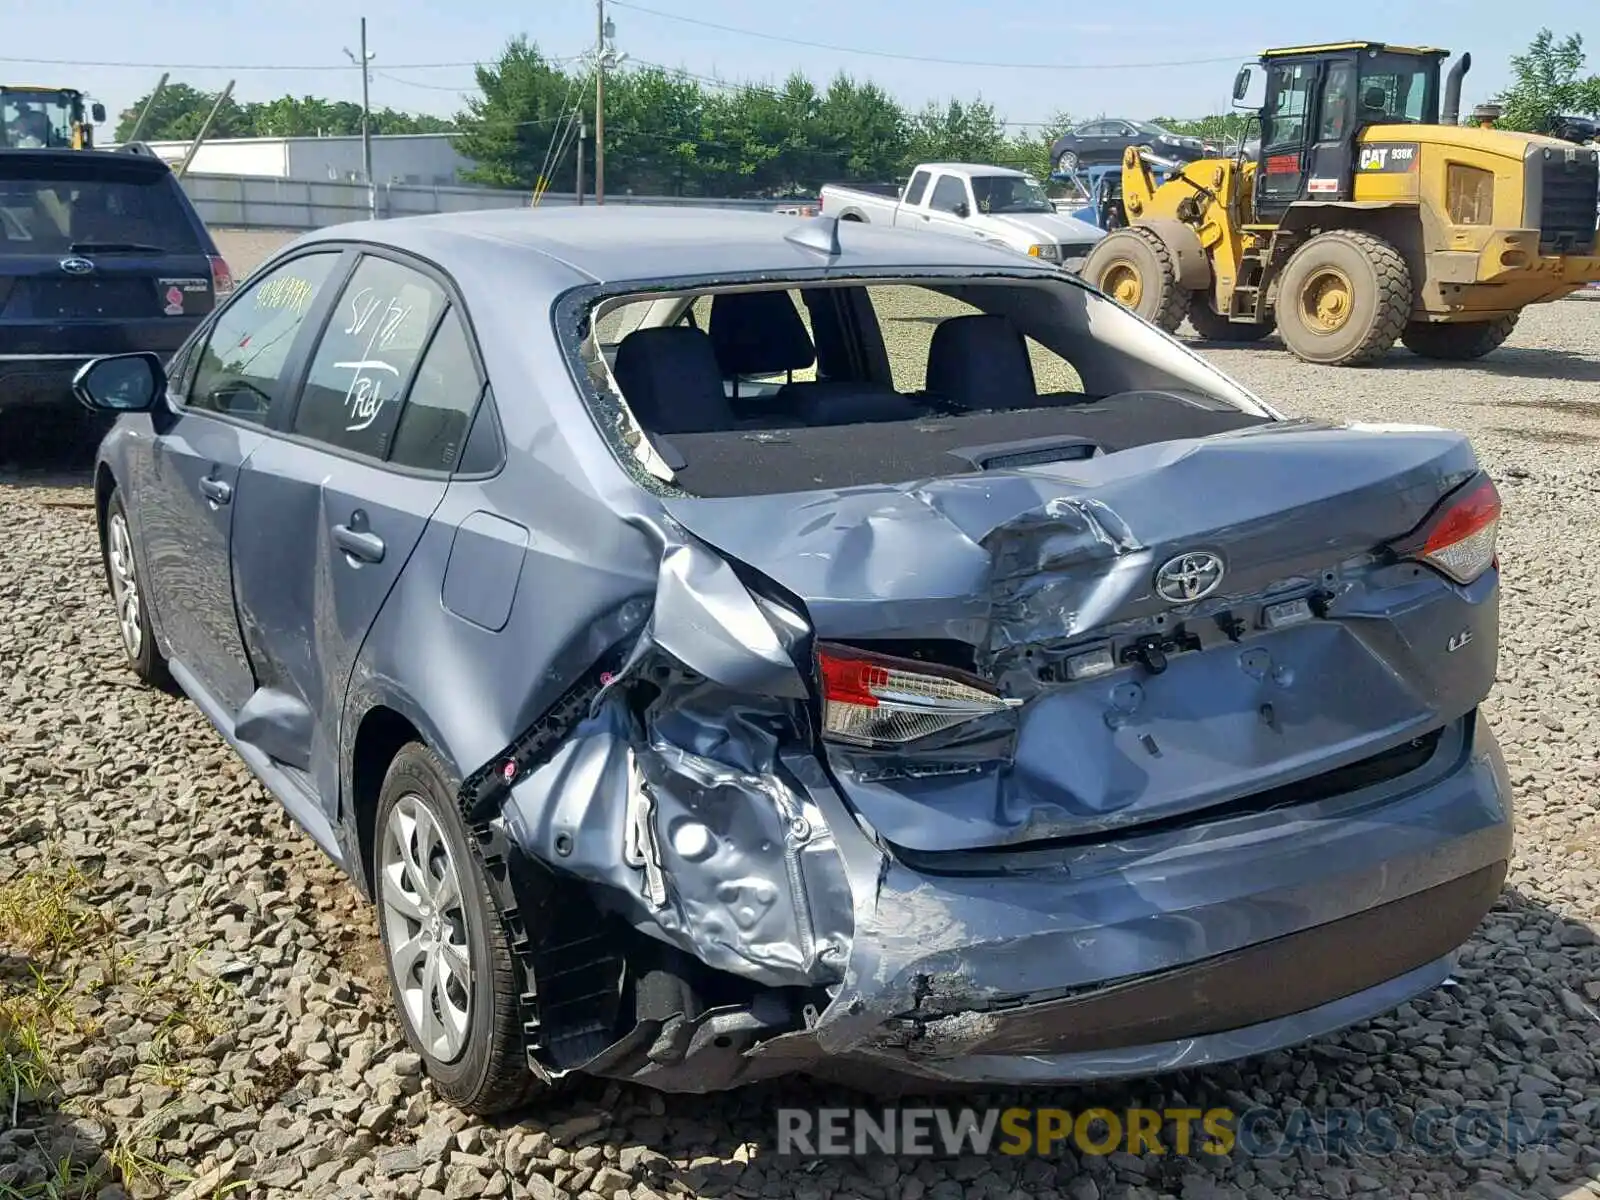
x=621, y=243
x=57, y=156
x=970, y=168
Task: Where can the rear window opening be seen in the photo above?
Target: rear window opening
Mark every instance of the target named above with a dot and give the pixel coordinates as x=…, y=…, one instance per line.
x=50, y=208
x=754, y=390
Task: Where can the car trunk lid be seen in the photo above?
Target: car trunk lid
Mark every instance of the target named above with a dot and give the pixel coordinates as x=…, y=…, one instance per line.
x=1302, y=656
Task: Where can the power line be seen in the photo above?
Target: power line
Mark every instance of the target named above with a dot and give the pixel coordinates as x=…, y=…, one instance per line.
x=920, y=58
x=155, y=66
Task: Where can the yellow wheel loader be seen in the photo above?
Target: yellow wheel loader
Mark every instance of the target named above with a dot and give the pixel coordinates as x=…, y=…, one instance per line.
x=1365, y=217
x=41, y=118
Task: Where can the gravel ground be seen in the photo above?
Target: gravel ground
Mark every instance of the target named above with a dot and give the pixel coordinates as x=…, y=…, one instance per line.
x=204, y=992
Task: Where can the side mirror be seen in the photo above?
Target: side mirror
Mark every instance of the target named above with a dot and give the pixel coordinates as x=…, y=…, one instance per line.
x=962, y=210
x=1244, y=89
x=97, y=112
x=120, y=383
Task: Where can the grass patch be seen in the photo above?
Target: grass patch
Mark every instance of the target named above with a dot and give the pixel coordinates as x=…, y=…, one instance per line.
x=41, y=916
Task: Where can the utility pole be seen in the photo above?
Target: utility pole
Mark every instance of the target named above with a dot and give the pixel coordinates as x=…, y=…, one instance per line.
x=600, y=102
x=580, y=160
x=366, y=120
x=205, y=128
x=605, y=56
x=138, y=126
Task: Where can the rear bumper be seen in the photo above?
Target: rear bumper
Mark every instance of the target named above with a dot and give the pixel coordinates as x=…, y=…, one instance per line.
x=43, y=381
x=1190, y=947
x=41, y=376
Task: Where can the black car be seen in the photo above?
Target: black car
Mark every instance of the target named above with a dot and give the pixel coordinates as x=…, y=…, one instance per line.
x=101, y=252
x=1105, y=140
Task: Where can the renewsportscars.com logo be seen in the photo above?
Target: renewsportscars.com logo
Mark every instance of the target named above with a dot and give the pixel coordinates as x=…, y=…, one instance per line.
x=1467, y=1131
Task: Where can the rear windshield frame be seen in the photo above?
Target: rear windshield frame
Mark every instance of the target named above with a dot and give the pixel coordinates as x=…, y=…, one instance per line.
x=572, y=314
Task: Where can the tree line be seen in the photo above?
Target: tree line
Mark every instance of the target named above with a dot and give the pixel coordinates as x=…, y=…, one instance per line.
x=671, y=133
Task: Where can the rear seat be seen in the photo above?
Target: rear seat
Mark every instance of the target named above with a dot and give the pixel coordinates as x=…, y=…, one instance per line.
x=761, y=333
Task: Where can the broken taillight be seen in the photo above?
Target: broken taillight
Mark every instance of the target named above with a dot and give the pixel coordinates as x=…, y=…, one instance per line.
x=872, y=699
x=221, y=276
x=1459, y=539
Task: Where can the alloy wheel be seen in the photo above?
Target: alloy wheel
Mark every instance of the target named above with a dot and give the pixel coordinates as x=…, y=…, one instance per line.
x=425, y=925
x=125, y=585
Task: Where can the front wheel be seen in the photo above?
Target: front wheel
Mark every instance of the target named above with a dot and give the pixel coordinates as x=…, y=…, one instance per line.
x=1457, y=342
x=1134, y=267
x=1343, y=299
x=449, y=959
x=130, y=597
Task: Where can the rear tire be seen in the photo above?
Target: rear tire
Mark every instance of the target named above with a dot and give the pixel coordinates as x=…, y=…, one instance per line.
x=1214, y=327
x=1457, y=342
x=1343, y=299
x=435, y=914
x=1134, y=267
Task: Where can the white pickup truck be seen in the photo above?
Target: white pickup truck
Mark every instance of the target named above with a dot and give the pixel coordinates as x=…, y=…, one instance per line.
x=994, y=204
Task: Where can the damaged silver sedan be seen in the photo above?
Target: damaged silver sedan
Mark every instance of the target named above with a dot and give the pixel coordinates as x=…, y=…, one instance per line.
x=724, y=646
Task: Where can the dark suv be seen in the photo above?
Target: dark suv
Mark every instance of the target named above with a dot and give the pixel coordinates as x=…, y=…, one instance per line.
x=100, y=253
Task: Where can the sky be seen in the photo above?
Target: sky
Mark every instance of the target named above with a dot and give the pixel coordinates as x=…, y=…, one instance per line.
x=1030, y=58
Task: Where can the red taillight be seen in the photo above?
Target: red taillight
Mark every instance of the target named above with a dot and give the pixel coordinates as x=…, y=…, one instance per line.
x=221, y=277
x=1460, y=540
x=872, y=699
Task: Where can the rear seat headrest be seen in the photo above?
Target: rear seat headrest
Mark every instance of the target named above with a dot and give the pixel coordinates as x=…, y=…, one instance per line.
x=980, y=361
x=670, y=379
x=759, y=333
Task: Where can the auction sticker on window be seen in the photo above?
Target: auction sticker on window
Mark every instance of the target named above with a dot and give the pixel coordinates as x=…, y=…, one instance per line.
x=1389, y=158
x=175, y=293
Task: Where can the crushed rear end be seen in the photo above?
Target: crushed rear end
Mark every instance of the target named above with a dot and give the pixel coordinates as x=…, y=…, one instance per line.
x=1098, y=768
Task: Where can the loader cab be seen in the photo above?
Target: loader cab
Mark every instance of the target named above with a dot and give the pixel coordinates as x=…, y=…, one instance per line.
x=1316, y=102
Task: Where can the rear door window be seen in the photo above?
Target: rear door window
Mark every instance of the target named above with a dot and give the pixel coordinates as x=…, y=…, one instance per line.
x=438, y=408
x=56, y=208
x=918, y=186
x=241, y=367
x=365, y=358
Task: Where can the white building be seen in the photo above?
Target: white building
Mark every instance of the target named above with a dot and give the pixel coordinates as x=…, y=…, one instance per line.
x=414, y=158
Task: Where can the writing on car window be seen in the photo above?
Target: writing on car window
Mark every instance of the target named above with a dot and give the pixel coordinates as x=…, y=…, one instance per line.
x=366, y=356
x=240, y=368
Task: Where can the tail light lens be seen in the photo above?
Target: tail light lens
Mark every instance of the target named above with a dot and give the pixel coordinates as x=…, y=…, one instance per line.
x=221, y=277
x=1459, y=540
x=872, y=699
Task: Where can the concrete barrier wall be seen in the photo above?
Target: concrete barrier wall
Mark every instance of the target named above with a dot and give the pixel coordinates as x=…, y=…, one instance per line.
x=262, y=202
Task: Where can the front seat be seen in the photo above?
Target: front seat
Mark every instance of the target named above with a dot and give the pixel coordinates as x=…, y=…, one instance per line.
x=761, y=333
x=980, y=362
x=758, y=333
x=669, y=377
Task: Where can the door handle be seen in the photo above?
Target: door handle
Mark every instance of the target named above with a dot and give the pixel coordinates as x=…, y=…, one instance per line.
x=358, y=543
x=216, y=490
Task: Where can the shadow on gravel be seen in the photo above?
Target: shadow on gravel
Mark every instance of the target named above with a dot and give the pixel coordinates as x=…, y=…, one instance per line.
x=1588, y=409
x=1508, y=364
x=1548, y=437
x=36, y=452
x=1516, y=1031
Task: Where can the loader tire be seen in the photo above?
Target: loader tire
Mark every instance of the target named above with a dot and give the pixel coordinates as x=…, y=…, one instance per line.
x=1214, y=327
x=1457, y=342
x=1134, y=267
x=1343, y=299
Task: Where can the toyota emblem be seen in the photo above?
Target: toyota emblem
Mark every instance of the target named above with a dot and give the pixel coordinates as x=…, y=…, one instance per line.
x=1189, y=577
x=77, y=266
